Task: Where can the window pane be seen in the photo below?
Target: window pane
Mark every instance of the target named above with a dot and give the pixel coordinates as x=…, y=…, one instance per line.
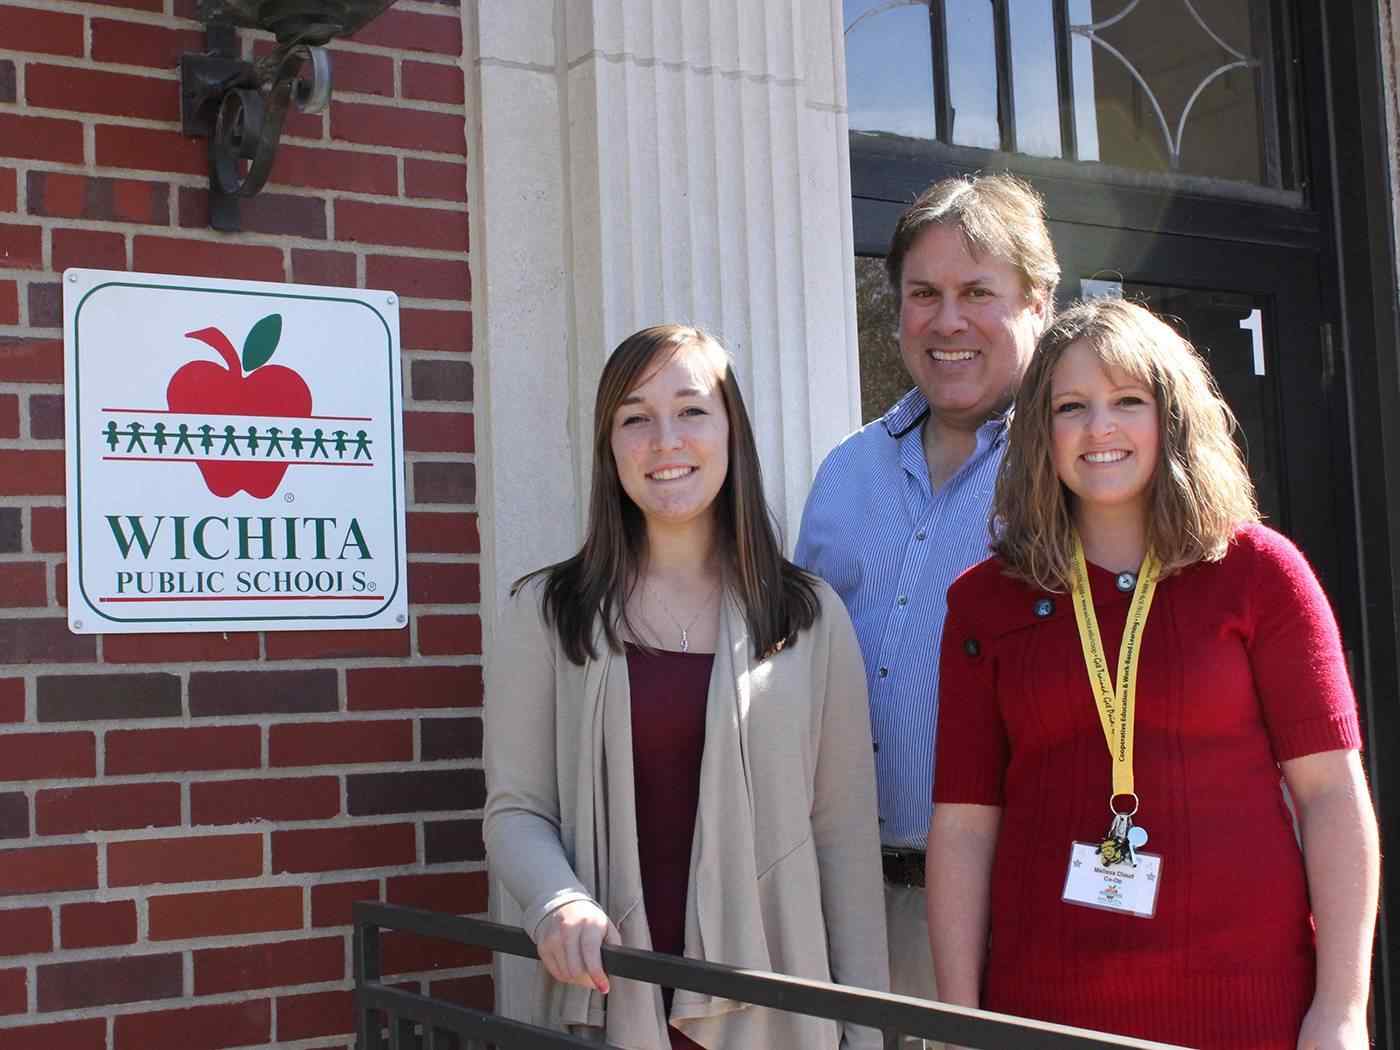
x=1175, y=87
x=972, y=73
x=889, y=68
x=1034, y=87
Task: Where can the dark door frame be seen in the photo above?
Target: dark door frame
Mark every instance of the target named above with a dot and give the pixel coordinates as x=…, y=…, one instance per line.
x=1347, y=221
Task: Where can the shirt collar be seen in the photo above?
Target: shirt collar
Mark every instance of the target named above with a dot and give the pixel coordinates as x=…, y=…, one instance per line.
x=911, y=410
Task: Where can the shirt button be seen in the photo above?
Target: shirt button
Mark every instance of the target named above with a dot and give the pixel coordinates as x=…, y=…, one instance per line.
x=903, y=600
x=883, y=672
x=876, y=744
x=920, y=534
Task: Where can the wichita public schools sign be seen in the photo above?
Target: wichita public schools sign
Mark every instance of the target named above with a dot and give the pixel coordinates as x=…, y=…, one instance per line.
x=234, y=455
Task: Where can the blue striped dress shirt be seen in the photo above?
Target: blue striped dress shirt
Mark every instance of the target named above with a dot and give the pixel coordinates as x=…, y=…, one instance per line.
x=876, y=531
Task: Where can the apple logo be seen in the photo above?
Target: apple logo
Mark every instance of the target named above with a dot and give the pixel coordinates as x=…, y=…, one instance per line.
x=248, y=388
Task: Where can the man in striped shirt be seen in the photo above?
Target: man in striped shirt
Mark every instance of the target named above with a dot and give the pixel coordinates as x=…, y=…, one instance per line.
x=900, y=507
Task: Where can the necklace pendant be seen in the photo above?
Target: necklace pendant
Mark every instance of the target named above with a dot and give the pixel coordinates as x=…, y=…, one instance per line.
x=685, y=641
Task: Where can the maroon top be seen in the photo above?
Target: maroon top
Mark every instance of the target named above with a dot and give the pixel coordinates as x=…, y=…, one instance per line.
x=1241, y=668
x=669, y=690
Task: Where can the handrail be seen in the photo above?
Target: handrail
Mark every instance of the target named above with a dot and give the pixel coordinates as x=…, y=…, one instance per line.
x=894, y=1015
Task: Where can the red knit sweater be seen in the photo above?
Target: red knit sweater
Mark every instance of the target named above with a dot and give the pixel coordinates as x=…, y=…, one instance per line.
x=1241, y=668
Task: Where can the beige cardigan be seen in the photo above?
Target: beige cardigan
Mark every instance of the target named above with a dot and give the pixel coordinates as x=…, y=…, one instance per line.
x=786, y=830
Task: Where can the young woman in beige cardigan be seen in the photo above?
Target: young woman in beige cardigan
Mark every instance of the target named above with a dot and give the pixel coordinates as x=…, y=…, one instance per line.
x=678, y=749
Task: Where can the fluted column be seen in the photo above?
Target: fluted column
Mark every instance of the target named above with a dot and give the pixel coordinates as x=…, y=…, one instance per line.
x=639, y=161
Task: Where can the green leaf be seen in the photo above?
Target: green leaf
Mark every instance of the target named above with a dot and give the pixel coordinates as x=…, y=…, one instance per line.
x=261, y=343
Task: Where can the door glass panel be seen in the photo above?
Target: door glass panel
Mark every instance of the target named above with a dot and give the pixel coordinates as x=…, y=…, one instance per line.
x=889, y=68
x=1232, y=332
x=882, y=376
x=1034, y=86
x=972, y=72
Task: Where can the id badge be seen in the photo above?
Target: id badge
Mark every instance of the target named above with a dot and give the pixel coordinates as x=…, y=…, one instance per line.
x=1119, y=887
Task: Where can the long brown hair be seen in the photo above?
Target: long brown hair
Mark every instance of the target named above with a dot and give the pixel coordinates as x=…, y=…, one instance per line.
x=1200, y=493
x=777, y=597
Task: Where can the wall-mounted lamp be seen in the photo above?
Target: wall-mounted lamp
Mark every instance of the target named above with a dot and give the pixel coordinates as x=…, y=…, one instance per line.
x=240, y=106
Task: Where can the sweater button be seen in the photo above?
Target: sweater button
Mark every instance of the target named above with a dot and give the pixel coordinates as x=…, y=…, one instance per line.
x=1044, y=607
x=972, y=648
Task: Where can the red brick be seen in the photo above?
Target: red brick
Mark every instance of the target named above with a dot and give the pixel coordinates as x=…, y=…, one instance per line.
x=30, y=472
x=150, y=149
x=47, y=756
x=97, y=91
x=241, y=801
x=9, y=190
x=42, y=138
x=48, y=869
x=90, y=1034
x=317, y=1014
x=438, y=432
x=14, y=991
x=442, y=533
x=11, y=699
x=263, y=692
x=21, y=247
x=42, y=641
x=332, y=903
x=296, y=645
x=403, y=30
x=48, y=528
x=9, y=84
x=62, y=195
x=196, y=1028
x=443, y=583
x=371, y=125
x=25, y=931
x=46, y=416
x=60, y=585
x=400, y=688
x=224, y=912
x=102, y=982
x=398, y=225
x=332, y=849
x=45, y=304
x=440, y=635
x=177, y=648
x=281, y=964
x=142, y=5
x=459, y=893
x=70, y=811
x=333, y=169
x=22, y=584
x=30, y=360
x=207, y=258
x=9, y=415
x=14, y=815
x=449, y=330
x=27, y=28
x=365, y=73
x=336, y=743
x=102, y=697
x=94, y=249
x=411, y=953
x=333, y=268
x=433, y=82
x=199, y=747
x=97, y=924
x=419, y=278
x=477, y=993
x=9, y=300
x=439, y=180
x=142, y=44
x=278, y=213
x=186, y=859
x=442, y=379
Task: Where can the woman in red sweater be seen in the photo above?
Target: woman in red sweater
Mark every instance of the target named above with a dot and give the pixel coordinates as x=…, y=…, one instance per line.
x=1123, y=684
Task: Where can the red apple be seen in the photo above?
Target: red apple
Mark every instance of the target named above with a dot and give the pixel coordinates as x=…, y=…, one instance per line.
x=266, y=390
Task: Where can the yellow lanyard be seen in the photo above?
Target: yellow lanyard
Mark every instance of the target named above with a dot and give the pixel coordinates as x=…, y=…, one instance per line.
x=1116, y=700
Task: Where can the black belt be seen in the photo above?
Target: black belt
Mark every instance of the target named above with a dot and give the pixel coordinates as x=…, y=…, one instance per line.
x=903, y=867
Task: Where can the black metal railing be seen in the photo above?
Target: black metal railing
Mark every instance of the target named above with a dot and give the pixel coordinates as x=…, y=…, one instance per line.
x=395, y=1019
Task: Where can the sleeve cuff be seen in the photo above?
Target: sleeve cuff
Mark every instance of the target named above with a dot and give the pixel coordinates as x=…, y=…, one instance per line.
x=1333, y=732
x=552, y=902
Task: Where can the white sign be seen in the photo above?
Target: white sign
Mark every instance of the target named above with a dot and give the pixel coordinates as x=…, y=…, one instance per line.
x=234, y=455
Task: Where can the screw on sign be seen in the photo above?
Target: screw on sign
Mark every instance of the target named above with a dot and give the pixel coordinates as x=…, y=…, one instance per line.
x=250, y=387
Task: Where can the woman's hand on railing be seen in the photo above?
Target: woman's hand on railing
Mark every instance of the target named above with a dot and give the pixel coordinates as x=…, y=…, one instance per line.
x=570, y=942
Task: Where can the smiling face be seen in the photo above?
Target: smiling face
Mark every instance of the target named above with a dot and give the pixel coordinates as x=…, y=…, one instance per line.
x=967, y=326
x=1104, y=434
x=670, y=440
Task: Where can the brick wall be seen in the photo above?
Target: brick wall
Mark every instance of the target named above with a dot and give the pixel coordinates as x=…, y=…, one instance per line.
x=186, y=819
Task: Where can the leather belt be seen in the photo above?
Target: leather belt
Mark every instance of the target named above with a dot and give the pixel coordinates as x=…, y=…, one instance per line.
x=903, y=867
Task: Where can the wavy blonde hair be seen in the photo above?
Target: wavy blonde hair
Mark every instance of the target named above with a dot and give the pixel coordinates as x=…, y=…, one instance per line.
x=1201, y=492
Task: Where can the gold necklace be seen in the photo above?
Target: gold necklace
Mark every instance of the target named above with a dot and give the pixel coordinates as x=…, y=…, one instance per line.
x=685, y=628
